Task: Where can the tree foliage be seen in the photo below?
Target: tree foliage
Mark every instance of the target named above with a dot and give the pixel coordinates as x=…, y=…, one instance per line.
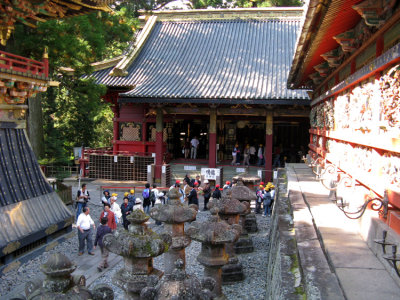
x=74, y=113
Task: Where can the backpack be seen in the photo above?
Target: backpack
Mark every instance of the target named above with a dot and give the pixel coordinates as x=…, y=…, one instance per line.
x=146, y=194
x=152, y=197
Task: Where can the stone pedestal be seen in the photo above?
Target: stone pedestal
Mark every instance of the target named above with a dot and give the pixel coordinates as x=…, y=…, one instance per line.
x=174, y=215
x=180, y=286
x=213, y=235
x=229, y=210
x=60, y=284
x=138, y=246
x=245, y=195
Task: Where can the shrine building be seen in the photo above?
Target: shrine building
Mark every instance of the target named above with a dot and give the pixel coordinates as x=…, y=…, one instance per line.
x=219, y=75
x=348, y=54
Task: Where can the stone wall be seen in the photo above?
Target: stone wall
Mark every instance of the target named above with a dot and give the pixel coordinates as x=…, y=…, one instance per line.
x=283, y=274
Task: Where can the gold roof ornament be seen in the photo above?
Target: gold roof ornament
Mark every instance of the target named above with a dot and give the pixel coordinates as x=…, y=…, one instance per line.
x=30, y=12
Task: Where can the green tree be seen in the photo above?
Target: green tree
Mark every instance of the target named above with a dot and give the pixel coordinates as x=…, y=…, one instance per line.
x=74, y=113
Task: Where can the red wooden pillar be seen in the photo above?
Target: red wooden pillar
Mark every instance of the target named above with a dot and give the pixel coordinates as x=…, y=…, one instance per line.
x=268, y=145
x=115, y=109
x=212, y=139
x=159, y=143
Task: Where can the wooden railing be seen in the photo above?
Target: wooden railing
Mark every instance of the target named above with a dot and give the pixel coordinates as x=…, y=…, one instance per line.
x=22, y=64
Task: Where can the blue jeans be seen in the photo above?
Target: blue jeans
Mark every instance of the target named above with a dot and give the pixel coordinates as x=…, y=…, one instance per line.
x=146, y=209
x=267, y=207
x=79, y=208
x=86, y=235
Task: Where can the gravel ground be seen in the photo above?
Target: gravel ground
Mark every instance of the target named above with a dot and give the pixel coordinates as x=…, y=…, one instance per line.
x=254, y=264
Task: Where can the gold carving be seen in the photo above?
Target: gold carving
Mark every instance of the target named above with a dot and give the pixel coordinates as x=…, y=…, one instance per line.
x=12, y=266
x=51, y=246
x=51, y=229
x=11, y=247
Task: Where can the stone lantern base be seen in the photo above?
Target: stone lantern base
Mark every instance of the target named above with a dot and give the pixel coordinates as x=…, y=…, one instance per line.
x=133, y=284
x=232, y=272
x=244, y=245
x=250, y=223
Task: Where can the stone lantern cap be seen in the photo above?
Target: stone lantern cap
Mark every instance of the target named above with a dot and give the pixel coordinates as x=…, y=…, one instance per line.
x=215, y=231
x=58, y=265
x=228, y=206
x=242, y=192
x=247, y=178
x=174, y=212
x=138, y=241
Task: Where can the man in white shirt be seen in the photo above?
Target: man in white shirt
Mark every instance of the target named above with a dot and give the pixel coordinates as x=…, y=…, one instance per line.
x=195, y=143
x=84, y=224
x=116, y=209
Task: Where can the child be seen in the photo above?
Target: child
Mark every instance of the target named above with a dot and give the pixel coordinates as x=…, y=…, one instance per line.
x=102, y=230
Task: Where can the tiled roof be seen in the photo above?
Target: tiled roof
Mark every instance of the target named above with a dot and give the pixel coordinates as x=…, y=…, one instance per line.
x=213, y=59
x=28, y=205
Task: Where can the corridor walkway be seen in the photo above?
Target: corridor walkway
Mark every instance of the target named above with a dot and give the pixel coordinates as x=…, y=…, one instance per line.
x=333, y=255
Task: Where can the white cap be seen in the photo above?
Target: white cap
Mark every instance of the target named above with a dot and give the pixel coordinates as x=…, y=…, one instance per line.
x=138, y=200
x=206, y=181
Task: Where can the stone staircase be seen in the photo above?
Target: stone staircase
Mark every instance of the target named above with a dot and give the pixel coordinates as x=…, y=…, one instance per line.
x=193, y=168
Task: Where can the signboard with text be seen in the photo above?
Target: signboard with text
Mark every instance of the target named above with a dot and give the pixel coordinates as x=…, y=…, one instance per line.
x=210, y=173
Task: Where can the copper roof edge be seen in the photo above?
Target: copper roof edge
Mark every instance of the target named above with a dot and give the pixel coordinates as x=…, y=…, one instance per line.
x=225, y=13
x=314, y=7
x=97, y=66
x=123, y=65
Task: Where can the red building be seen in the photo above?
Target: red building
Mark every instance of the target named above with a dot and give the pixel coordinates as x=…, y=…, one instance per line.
x=348, y=54
x=219, y=75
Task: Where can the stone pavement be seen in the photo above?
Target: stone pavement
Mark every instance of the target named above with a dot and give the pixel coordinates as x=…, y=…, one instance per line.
x=336, y=262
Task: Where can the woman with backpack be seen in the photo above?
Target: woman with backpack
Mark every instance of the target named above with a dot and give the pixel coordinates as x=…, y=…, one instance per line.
x=146, y=199
x=267, y=202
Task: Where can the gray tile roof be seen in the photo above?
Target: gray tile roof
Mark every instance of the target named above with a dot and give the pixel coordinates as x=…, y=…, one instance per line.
x=216, y=59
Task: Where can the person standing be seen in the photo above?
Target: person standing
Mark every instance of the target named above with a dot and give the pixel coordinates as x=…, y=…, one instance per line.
x=187, y=148
x=207, y=193
x=197, y=180
x=246, y=156
x=194, y=143
x=216, y=193
x=186, y=189
x=131, y=197
x=252, y=155
x=260, y=198
x=107, y=213
x=138, y=205
x=154, y=194
x=84, y=225
x=106, y=198
x=260, y=155
x=235, y=151
x=126, y=209
x=102, y=230
x=227, y=185
x=267, y=203
x=82, y=199
x=116, y=209
x=192, y=198
x=146, y=198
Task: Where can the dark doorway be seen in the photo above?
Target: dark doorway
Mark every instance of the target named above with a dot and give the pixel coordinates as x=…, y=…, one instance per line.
x=186, y=130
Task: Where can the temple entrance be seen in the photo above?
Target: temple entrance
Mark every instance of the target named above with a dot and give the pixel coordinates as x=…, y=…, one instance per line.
x=243, y=133
x=184, y=131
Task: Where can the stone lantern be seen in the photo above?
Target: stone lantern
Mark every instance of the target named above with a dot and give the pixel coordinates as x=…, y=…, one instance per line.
x=138, y=245
x=213, y=236
x=229, y=211
x=243, y=194
x=59, y=284
x=174, y=215
x=181, y=286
